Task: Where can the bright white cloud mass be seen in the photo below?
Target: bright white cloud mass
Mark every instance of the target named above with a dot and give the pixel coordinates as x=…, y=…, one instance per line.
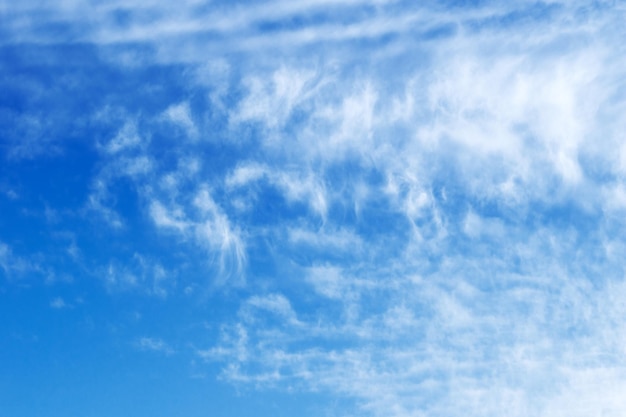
x=317, y=208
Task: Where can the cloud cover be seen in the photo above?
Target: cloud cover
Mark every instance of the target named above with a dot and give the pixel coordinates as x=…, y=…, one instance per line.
x=418, y=208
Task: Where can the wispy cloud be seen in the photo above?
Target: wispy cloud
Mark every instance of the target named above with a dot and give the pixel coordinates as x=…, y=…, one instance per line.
x=139, y=274
x=154, y=345
x=14, y=266
x=459, y=341
x=58, y=303
x=416, y=207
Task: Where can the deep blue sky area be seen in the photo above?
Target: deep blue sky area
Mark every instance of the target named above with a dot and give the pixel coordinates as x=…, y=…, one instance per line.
x=370, y=208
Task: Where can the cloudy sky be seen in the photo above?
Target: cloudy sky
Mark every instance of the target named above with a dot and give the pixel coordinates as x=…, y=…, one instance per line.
x=316, y=208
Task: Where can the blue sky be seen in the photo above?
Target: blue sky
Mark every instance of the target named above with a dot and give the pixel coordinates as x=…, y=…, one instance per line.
x=314, y=208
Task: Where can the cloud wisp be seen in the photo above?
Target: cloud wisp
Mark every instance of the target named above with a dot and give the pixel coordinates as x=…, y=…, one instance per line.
x=419, y=208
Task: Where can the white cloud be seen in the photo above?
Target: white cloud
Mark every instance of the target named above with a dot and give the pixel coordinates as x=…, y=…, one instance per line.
x=126, y=138
x=274, y=303
x=180, y=115
x=483, y=101
x=14, y=265
x=356, y=118
x=328, y=281
x=273, y=102
x=470, y=187
x=165, y=218
x=125, y=157
x=296, y=185
x=118, y=277
x=245, y=174
x=140, y=274
x=97, y=202
x=216, y=231
x=155, y=345
x=202, y=221
x=334, y=241
x=476, y=226
x=459, y=341
x=58, y=303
